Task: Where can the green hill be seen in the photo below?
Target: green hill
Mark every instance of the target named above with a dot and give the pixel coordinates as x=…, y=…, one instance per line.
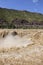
x=8, y=17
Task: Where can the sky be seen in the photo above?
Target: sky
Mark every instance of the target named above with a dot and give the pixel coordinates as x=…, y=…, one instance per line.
x=29, y=5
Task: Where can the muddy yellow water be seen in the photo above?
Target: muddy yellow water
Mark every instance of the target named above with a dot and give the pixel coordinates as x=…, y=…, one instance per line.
x=21, y=46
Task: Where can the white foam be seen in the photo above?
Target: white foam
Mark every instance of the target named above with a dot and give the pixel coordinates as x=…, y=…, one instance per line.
x=15, y=41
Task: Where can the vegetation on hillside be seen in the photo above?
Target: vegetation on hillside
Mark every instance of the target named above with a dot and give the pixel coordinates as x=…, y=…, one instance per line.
x=23, y=19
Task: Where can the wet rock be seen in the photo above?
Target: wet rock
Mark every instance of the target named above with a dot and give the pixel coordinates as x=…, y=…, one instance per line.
x=3, y=34
x=14, y=33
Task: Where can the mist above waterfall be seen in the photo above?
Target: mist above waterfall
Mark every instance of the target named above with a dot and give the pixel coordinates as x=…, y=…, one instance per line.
x=14, y=41
x=20, y=38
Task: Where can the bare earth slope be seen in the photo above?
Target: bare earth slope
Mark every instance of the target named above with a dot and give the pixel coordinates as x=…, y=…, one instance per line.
x=21, y=47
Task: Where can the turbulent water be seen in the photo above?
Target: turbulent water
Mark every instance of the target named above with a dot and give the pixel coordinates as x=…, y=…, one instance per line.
x=15, y=41
x=21, y=47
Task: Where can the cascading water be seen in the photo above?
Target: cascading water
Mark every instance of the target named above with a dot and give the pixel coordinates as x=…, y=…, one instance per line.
x=14, y=41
